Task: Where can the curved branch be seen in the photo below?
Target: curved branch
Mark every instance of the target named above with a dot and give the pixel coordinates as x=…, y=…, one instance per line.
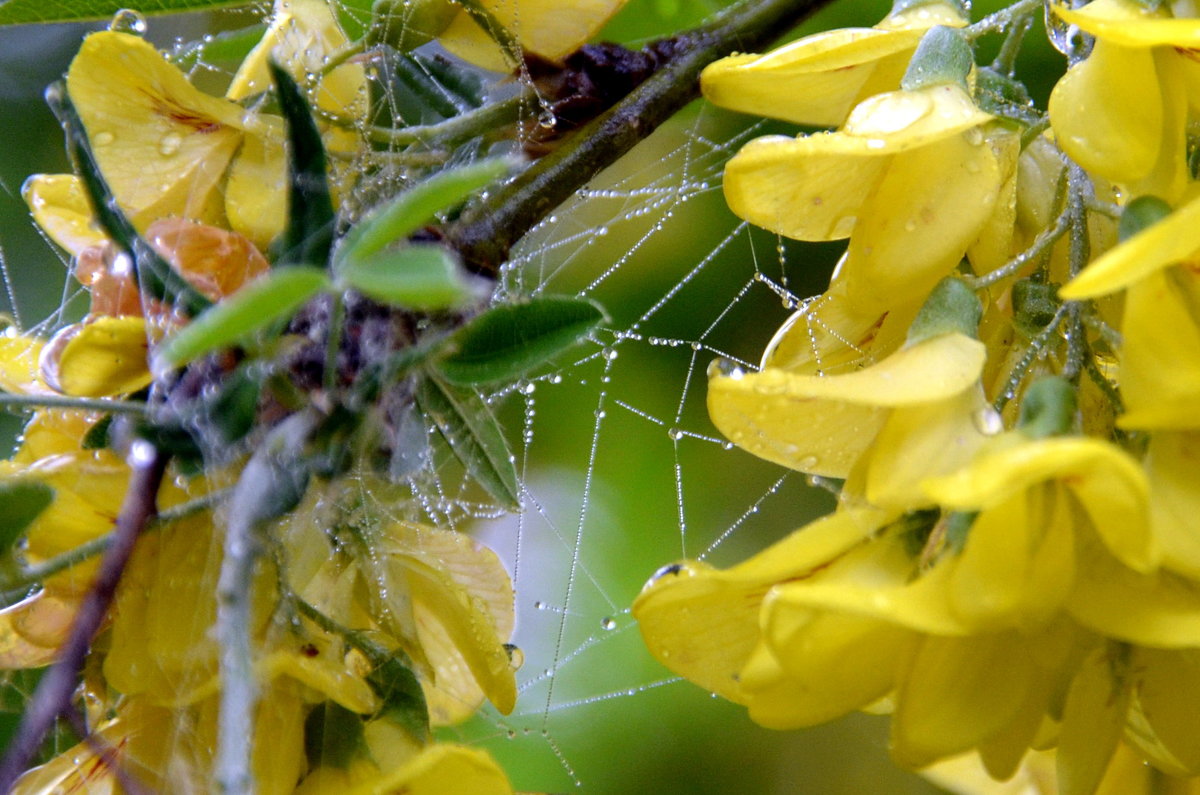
x=485, y=233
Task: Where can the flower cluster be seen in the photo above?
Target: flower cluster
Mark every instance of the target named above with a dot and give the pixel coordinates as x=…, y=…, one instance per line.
x=1001, y=379
x=367, y=629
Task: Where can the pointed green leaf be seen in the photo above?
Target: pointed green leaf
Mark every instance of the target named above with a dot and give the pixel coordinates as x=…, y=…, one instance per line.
x=22, y=12
x=417, y=207
x=21, y=501
x=425, y=277
x=474, y=435
x=402, y=696
x=308, y=238
x=256, y=306
x=509, y=340
x=226, y=47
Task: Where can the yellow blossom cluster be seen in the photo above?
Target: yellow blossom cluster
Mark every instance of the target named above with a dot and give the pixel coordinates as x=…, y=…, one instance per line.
x=1003, y=380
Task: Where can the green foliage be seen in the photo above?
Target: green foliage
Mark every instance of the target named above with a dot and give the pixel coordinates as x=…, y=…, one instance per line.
x=23, y=12
x=507, y=341
x=258, y=305
x=417, y=207
x=21, y=502
x=424, y=277
x=474, y=435
x=308, y=238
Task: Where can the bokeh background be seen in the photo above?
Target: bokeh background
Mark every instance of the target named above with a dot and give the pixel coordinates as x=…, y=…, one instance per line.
x=609, y=501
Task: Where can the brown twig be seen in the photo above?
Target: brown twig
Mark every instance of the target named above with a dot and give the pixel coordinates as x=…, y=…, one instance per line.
x=53, y=694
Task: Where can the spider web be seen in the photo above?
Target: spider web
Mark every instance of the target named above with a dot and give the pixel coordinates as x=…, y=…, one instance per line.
x=621, y=472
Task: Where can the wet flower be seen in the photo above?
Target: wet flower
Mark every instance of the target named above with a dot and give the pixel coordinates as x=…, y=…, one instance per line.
x=1123, y=112
x=818, y=79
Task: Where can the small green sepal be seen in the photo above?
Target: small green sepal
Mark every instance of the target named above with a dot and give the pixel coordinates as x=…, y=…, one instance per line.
x=1048, y=408
x=942, y=57
x=1141, y=213
x=951, y=307
x=22, y=500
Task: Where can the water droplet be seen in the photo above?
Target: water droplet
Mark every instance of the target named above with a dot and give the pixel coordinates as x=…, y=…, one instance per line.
x=670, y=570
x=988, y=421
x=128, y=21
x=807, y=462
x=601, y=414
x=512, y=734
x=910, y=225
x=696, y=346
x=725, y=369
x=609, y=354
x=528, y=389
x=728, y=446
x=608, y=623
x=539, y=605
x=556, y=379
x=843, y=226
x=170, y=144
x=103, y=138
x=974, y=136
x=675, y=434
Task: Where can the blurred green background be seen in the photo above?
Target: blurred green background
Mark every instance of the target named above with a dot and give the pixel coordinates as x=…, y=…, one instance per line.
x=610, y=498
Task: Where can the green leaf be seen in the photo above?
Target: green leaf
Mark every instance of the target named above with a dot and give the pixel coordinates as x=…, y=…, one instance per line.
x=21, y=501
x=413, y=277
x=227, y=47
x=22, y=12
x=97, y=436
x=509, y=340
x=333, y=736
x=402, y=696
x=417, y=207
x=308, y=238
x=468, y=426
x=256, y=306
x=154, y=274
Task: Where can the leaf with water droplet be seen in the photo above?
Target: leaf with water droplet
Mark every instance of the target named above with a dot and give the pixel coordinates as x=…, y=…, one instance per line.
x=416, y=207
x=425, y=277
x=308, y=238
x=21, y=502
x=255, y=307
x=474, y=435
x=510, y=339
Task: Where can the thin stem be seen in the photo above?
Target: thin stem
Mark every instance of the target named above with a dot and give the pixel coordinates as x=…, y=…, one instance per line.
x=1079, y=251
x=339, y=57
x=375, y=653
x=333, y=342
x=39, y=572
x=1046, y=238
x=1002, y=19
x=1021, y=369
x=8, y=400
x=456, y=128
x=1006, y=59
x=53, y=693
x=504, y=38
x=487, y=231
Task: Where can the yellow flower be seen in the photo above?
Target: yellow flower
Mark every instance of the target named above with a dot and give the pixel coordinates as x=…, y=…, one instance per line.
x=549, y=28
x=1123, y=112
x=1160, y=354
x=912, y=179
x=816, y=80
x=824, y=424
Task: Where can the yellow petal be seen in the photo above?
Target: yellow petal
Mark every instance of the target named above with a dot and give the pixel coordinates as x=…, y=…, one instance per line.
x=922, y=441
x=828, y=665
x=1092, y=722
x=303, y=33
x=99, y=358
x=813, y=187
x=62, y=210
x=1168, y=242
x=254, y=194
x=926, y=210
x=1167, y=698
x=1091, y=111
x=1171, y=464
x=1130, y=24
x=19, y=372
x=1160, y=358
x=815, y=80
x=702, y=622
x=1161, y=609
x=162, y=144
x=1017, y=566
x=32, y=630
x=324, y=673
x=957, y=692
x=1110, y=486
x=822, y=424
x=443, y=769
